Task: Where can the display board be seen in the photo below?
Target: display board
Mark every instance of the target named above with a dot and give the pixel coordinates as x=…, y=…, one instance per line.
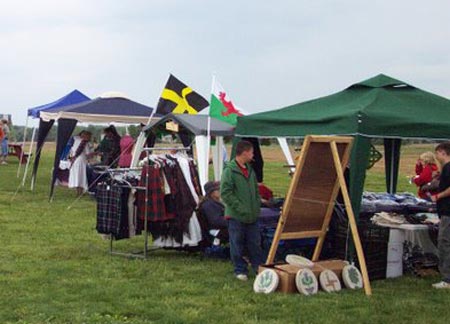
x=307, y=210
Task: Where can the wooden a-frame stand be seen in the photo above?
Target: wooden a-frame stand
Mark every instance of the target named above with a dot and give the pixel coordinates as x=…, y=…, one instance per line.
x=310, y=200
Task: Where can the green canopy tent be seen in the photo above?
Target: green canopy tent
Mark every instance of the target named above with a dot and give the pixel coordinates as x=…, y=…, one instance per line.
x=380, y=107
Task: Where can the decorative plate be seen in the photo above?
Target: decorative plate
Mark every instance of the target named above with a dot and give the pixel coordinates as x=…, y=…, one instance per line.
x=298, y=260
x=352, y=277
x=329, y=281
x=266, y=281
x=306, y=282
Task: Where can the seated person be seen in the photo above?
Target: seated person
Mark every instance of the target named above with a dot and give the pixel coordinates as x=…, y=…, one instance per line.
x=214, y=211
x=266, y=194
x=267, y=198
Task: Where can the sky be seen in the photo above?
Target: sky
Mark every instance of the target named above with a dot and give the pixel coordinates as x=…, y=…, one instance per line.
x=266, y=54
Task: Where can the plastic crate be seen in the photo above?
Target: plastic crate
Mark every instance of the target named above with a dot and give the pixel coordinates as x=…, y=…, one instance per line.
x=374, y=241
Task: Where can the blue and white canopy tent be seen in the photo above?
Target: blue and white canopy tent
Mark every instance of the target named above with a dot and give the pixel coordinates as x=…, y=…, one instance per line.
x=71, y=98
x=109, y=108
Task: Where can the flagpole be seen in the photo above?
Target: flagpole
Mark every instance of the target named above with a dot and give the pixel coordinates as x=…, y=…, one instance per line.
x=140, y=143
x=208, y=130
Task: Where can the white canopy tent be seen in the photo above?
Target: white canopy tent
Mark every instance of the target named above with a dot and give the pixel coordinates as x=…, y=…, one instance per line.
x=202, y=127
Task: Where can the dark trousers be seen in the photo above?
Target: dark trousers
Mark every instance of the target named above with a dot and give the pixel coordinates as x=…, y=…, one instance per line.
x=444, y=248
x=244, y=238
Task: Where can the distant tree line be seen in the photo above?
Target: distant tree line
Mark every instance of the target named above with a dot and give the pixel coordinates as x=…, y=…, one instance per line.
x=17, y=132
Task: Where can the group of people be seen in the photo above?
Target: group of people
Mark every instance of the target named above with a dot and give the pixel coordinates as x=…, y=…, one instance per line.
x=241, y=207
x=433, y=181
x=231, y=208
x=4, y=135
x=113, y=151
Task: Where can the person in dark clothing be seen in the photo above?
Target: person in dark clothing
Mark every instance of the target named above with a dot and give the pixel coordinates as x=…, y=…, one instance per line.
x=442, y=199
x=109, y=147
x=214, y=211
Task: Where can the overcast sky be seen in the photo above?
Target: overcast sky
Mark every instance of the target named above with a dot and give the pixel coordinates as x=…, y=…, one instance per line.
x=265, y=54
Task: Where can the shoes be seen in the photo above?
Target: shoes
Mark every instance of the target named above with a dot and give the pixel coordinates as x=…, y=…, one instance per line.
x=241, y=277
x=441, y=285
x=4, y=162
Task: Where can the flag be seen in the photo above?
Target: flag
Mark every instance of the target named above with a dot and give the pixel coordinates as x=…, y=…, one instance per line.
x=221, y=105
x=178, y=98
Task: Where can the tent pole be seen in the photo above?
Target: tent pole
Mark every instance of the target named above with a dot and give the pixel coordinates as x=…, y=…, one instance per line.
x=282, y=141
x=26, y=167
x=391, y=175
x=140, y=142
x=23, y=147
x=25, y=172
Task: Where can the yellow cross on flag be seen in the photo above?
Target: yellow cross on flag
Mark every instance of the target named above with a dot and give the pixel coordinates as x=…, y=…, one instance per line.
x=178, y=98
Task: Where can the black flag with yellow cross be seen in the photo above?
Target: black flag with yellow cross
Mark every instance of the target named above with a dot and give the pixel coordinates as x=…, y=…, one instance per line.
x=178, y=98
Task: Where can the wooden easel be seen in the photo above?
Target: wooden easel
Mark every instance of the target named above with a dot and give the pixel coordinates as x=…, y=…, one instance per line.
x=310, y=200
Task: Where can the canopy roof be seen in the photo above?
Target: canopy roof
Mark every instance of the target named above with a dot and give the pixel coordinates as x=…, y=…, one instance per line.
x=195, y=124
x=72, y=98
x=378, y=107
x=102, y=110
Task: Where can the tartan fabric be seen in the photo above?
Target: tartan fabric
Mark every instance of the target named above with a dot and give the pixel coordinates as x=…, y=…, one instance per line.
x=108, y=209
x=156, y=210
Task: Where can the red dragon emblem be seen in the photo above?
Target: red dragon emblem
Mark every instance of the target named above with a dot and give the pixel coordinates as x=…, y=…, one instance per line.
x=228, y=105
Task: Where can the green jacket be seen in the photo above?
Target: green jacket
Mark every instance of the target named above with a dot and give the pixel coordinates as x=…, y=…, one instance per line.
x=240, y=194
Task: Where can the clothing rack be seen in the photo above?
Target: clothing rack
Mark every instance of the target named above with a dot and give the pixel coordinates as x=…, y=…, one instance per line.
x=141, y=254
x=180, y=148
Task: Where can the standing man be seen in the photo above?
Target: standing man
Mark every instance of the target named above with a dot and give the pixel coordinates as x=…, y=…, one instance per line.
x=442, y=200
x=239, y=191
x=4, y=141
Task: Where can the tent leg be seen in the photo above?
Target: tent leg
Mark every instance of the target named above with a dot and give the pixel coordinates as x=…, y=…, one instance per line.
x=287, y=153
x=25, y=172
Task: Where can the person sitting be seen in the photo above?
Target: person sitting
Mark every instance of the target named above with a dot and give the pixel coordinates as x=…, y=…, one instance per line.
x=266, y=195
x=213, y=210
x=426, y=170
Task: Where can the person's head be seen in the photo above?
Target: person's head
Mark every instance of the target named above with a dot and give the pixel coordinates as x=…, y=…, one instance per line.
x=85, y=135
x=212, y=189
x=111, y=132
x=428, y=158
x=443, y=152
x=244, y=151
x=4, y=122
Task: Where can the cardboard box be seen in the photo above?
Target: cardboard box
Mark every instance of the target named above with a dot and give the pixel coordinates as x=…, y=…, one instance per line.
x=287, y=272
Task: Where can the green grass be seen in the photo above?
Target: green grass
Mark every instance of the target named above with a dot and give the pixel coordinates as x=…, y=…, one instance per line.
x=54, y=268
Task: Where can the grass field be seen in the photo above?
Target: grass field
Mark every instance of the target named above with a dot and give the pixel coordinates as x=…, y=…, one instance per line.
x=54, y=268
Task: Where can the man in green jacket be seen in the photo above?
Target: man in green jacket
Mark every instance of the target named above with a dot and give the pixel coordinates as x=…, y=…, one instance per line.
x=239, y=192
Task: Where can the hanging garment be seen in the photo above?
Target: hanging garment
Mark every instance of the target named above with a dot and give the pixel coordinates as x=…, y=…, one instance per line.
x=151, y=178
x=108, y=209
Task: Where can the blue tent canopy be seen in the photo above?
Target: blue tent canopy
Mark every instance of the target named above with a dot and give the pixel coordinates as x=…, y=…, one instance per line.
x=72, y=98
x=106, y=110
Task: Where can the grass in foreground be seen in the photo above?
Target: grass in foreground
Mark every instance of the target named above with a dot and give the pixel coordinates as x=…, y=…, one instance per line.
x=55, y=269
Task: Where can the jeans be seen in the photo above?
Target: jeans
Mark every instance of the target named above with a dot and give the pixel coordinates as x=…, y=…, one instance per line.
x=444, y=248
x=4, y=149
x=244, y=238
